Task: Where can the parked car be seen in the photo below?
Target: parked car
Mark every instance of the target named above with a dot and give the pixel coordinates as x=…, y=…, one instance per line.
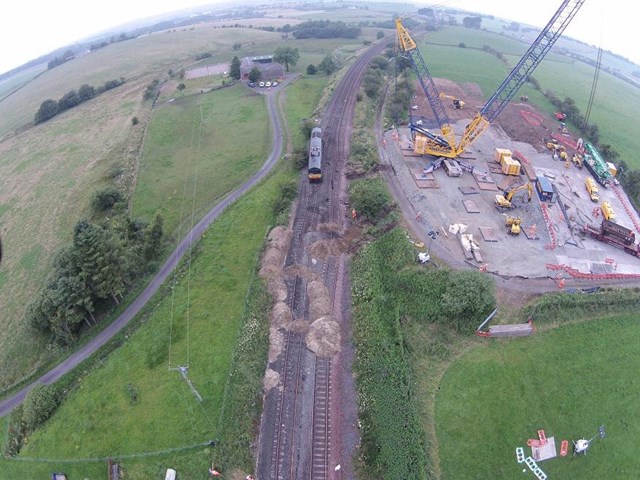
x=252, y=84
x=274, y=84
x=268, y=84
x=262, y=84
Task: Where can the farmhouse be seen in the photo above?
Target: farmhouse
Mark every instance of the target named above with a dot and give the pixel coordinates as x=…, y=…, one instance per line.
x=269, y=69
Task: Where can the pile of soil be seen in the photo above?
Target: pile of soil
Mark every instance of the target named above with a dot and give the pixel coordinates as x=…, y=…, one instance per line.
x=277, y=288
x=274, y=255
x=271, y=380
x=324, y=337
x=319, y=300
x=280, y=315
x=276, y=343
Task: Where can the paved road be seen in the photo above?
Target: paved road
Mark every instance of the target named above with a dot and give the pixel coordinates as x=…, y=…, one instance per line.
x=192, y=237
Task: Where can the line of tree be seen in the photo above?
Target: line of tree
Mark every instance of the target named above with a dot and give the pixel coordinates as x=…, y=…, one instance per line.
x=92, y=274
x=50, y=108
x=325, y=29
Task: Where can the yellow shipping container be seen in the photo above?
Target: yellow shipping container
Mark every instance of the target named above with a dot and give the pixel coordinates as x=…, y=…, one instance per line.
x=500, y=153
x=510, y=166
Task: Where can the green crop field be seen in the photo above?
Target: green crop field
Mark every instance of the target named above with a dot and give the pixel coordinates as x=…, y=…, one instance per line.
x=567, y=381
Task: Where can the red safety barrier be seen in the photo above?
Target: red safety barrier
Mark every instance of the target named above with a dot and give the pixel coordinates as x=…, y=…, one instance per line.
x=564, y=448
x=567, y=141
x=552, y=232
x=532, y=442
x=630, y=211
x=592, y=276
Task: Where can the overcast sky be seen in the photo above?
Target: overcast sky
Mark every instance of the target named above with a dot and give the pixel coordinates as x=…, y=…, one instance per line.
x=31, y=28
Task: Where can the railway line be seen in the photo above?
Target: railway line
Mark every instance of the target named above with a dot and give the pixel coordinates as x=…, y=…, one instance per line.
x=299, y=433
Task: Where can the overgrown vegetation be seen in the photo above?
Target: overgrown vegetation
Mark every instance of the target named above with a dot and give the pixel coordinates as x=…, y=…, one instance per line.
x=563, y=306
x=325, y=29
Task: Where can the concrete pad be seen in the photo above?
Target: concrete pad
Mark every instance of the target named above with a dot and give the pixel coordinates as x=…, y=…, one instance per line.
x=546, y=451
x=467, y=190
x=602, y=268
x=471, y=206
x=427, y=184
x=488, y=234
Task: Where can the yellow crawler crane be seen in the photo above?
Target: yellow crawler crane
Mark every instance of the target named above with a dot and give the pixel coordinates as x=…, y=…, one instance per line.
x=444, y=144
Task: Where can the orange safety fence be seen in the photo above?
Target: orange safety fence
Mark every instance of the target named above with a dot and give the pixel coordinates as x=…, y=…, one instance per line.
x=593, y=276
x=552, y=232
x=632, y=214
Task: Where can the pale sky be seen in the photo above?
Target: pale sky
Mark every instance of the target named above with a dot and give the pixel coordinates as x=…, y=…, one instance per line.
x=30, y=28
x=611, y=24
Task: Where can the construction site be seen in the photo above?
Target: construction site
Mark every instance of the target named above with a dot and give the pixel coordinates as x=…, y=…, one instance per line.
x=520, y=194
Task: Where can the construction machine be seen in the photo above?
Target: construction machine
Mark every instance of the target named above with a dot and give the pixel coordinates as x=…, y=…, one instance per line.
x=577, y=160
x=513, y=225
x=607, y=211
x=426, y=142
x=503, y=202
x=592, y=188
x=456, y=102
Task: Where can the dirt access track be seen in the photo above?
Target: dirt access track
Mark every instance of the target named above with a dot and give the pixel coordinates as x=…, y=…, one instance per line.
x=552, y=244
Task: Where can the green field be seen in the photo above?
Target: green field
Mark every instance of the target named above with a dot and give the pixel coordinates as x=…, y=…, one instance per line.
x=567, y=381
x=198, y=148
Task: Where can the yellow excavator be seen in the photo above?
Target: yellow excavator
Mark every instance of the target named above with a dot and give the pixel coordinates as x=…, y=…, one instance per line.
x=503, y=202
x=513, y=225
x=445, y=143
x=456, y=102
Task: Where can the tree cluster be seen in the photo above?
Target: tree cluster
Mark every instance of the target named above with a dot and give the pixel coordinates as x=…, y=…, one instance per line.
x=93, y=273
x=50, y=108
x=66, y=56
x=287, y=56
x=325, y=29
x=472, y=22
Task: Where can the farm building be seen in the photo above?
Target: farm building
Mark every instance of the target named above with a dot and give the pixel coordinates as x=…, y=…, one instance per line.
x=269, y=69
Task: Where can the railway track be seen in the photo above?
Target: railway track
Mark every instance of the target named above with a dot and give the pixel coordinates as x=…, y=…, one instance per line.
x=297, y=424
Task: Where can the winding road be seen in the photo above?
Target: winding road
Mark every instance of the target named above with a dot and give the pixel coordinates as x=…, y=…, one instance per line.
x=192, y=237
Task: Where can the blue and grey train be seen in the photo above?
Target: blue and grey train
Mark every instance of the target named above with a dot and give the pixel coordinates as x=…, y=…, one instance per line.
x=315, y=155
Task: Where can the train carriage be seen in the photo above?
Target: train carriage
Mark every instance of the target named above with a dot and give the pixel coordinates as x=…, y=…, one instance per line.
x=315, y=155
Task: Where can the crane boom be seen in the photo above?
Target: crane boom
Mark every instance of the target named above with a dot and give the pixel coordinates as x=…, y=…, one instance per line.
x=435, y=145
x=426, y=81
x=521, y=72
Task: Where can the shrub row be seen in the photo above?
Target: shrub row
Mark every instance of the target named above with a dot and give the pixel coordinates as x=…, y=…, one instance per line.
x=565, y=306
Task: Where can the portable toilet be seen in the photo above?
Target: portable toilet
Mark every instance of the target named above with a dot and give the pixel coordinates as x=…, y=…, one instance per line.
x=544, y=189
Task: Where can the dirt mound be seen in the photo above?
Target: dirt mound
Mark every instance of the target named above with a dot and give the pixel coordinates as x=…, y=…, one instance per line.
x=277, y=288
x=271, y=379
x=324, y=337
x=276, y=343
x=329, y=227
x=280, y=314
x=301, y=271
x=323, y=249
x=277, y=246
x=319, y=300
